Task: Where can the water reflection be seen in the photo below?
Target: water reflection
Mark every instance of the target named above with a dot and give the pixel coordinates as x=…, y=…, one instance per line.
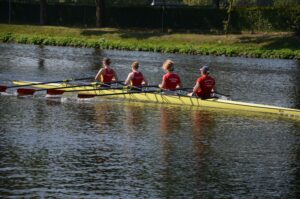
x=134, y=116
x=97, y=55
x=184, y=150
x=295, y=189
x=202, y=120
x=41, y=57
x=170, y=120
x=106, y=114
x=296, y=88
x=115, y=149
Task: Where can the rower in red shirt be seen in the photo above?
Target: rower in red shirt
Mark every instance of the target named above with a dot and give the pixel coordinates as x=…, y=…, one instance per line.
x=106, y=74
x=135, y=78
x=170, y=80
x=205, y=85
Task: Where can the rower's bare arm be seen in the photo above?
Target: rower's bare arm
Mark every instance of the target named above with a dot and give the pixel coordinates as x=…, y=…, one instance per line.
x=98, y=76
x=115, y=76
x=128, y=79
x=179, y=85
x=196, y=87
x=145, y=81
x=214, y=89
x=162, y=85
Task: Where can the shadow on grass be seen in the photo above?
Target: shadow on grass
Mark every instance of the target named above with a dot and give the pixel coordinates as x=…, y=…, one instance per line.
x=292, y=43
x=274, y=42
x=145, y=34
x=124, y=34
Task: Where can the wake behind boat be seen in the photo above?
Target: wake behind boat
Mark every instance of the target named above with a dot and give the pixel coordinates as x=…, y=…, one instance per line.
x=161, y=97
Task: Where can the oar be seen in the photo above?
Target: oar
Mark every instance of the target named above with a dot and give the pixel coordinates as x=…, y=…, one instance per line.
x=54, y=91
x=218, y=93
x=58, y=91
x=3, y=87
x=103, y=95
x=222, y=96
x=123, y=93
x=139, y=89
x=183, y=89
x=177, y=89
x=150, y=86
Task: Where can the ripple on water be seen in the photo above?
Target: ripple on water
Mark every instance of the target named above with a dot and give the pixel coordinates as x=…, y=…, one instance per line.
x=114, y=149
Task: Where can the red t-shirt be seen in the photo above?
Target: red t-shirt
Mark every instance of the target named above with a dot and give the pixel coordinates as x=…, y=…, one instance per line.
x=107, y=75
x=207, y=83
x=137, y=79
x=171, y=81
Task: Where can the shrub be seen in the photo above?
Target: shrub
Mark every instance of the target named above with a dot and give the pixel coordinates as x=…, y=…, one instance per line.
x=6, y=37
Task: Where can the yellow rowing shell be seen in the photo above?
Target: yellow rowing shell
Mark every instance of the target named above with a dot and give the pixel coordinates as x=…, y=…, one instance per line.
x=173, y=99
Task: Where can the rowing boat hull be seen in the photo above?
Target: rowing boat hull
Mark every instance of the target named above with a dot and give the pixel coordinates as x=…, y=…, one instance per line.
x=175, y=99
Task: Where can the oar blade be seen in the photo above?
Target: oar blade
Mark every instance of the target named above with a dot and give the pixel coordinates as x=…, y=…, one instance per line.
x=3, y=88
x=25, y=91
x=86, y=95
x=54, y=92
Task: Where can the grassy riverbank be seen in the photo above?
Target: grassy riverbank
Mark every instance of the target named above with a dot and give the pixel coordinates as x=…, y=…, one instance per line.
x=260, y=45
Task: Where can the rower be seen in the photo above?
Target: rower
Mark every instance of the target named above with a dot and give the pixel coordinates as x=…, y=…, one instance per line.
x=135, y=78
x=106, y=74
x=205, y=85
x=170, y=80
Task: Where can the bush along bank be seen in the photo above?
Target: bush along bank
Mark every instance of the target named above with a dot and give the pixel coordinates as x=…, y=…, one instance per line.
x=144, y=45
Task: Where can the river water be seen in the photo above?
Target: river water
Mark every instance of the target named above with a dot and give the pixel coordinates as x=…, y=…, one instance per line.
x=55, y=148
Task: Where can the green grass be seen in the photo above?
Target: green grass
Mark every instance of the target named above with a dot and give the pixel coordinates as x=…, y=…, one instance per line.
x=260, y=45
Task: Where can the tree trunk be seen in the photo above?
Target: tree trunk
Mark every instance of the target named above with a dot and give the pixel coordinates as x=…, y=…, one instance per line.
x=99, y=13
x=216, y=3
x=229, y=12
x=43, y=12
x=9, y=11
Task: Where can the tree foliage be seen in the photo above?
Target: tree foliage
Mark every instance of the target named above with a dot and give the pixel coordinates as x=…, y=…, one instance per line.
x=211, y=3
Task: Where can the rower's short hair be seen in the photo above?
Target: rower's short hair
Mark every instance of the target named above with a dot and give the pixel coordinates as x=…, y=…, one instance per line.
x=106, y=60
x=135, y=65
x=168, y=65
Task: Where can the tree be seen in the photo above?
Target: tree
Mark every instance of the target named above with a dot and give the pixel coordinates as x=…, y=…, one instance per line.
x=216, y=3
x=227, y=22
x=100, y=6
x=43, y=12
